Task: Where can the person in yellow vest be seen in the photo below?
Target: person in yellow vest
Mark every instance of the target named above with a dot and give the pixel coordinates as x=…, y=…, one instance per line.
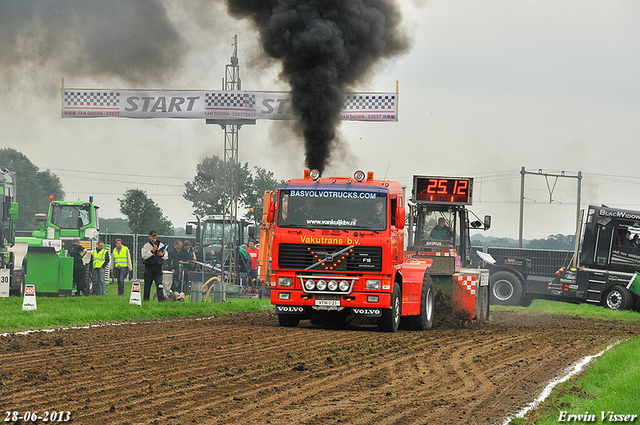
x=100, y=262
x=121, y=265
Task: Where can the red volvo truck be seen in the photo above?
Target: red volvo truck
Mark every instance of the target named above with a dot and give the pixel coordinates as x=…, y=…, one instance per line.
x=339, y=249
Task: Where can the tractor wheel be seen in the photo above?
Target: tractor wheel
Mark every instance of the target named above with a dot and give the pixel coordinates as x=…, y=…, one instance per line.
x=288, y=320
x=618, y=298
x=506, y=288
x=390, y=319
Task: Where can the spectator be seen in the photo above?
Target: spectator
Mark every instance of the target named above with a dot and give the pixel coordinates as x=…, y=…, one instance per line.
x=244, y=262
x=185, y=258
x=100, y=261
x=154, y=253
x=78, y=252
x=122, y=264
x=174, y=253
x=253, y=252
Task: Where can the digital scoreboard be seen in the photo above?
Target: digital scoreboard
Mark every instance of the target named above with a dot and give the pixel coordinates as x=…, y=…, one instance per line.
x=443, y=190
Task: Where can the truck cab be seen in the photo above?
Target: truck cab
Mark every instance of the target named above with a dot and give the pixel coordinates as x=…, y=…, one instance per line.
x=339, y=250
x=605, y=265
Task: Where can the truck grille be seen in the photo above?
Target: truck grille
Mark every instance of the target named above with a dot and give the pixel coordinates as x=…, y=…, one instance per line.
x=357, y=259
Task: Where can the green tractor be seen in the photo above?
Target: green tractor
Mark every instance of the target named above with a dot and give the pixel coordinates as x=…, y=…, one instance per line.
x=47, y=265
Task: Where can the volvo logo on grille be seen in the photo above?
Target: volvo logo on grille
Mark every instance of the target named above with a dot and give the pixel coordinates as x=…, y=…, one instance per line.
x=371, y=312
x=289, y=309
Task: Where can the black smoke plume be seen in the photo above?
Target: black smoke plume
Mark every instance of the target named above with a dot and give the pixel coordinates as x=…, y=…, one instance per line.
x=325, y=46
x=132, y=40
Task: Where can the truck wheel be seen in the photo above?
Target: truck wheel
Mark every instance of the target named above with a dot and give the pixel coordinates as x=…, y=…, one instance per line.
x=424, y=321
x=288, y=320
x=390, y=319
x=506, y=288
x=618, y=298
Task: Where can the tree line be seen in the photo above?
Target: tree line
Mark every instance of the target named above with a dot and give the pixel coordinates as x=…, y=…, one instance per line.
x=555, y=242
x=206, y=192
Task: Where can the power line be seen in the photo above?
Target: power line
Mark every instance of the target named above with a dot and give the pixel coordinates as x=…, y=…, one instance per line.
x=119, y=174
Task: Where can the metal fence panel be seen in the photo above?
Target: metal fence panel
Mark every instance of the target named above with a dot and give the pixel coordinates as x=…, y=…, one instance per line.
x=544, y=262
x=135, y=244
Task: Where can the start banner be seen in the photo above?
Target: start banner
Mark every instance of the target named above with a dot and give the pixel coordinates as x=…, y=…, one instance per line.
x=215, y=105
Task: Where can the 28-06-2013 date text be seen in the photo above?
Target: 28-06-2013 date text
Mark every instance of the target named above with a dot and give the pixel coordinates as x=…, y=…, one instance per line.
x=46, y=416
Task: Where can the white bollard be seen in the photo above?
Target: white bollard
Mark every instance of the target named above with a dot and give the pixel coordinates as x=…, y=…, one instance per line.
x=29, y=300
x=135, y=293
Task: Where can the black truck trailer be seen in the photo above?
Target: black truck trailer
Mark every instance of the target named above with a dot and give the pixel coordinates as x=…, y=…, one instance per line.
x=603, y=265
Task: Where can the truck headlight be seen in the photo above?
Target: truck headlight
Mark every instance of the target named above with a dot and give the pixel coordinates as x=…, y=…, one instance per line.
x=309, y=285
x=344, y=286
x=373, y=284
x=322, y=285
x=285, y=281
x=332, y=285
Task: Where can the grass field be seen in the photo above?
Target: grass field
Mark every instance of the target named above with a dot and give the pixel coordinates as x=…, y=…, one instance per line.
x=53, y=312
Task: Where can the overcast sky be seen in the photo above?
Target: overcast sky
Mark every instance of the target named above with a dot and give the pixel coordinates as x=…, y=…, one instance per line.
x=486, y=88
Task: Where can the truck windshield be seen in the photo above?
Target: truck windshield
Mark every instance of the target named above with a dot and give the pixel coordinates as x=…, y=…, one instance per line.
x=341, y=209
x=70, y=216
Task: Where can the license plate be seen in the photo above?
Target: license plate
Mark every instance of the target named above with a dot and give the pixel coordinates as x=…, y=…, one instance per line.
x=328, y=303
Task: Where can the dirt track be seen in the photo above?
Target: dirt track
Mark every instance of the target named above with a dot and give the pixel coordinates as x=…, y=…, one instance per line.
x=246, y=369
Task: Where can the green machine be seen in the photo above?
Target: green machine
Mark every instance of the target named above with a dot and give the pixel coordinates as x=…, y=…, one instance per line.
x=47, y=265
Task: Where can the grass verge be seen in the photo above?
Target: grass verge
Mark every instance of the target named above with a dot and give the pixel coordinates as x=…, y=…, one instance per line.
x=54, y=312
x=608, y=386
x=588, y=311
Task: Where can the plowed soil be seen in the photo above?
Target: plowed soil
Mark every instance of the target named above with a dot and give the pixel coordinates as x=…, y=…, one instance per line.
x=246, y=369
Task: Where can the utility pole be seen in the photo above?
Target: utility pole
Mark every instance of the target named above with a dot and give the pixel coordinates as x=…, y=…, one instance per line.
x=231, y=82
x=551, y=189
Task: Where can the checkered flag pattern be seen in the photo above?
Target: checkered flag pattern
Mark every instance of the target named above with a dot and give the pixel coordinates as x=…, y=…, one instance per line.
x=468, y=282
x=370, y=102
x=230, y=100
x=101, y=99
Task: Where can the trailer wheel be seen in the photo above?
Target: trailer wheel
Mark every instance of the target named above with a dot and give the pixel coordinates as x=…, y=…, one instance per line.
x=618, y=298
x=506, y=288
x=288, y=320
x=424, y=321
x=390, y=320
